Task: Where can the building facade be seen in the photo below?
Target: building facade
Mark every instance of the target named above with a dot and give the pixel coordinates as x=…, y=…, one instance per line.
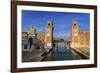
x=41, y=39
x=79, y=38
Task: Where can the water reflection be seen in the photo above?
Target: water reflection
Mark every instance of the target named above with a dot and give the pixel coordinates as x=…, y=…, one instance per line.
x=60, y=52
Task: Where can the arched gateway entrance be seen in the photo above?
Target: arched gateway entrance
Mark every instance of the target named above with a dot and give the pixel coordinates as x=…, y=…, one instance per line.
x=30, y=42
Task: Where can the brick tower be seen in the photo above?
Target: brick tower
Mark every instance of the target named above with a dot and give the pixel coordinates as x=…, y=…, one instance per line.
x=74, y=35
x=49, y=34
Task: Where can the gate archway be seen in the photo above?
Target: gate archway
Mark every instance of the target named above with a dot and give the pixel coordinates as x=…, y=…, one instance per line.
x=30, y=41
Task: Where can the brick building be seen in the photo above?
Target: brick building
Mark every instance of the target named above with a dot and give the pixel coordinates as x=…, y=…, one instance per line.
x=79, y=38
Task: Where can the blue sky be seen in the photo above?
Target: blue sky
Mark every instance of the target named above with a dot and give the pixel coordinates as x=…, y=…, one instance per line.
x=61, y=21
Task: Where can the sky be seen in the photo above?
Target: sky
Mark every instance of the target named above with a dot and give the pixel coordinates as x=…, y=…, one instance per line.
x=61, y=21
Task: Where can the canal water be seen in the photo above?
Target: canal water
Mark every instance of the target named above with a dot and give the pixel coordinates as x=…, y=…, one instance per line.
x=60, y=52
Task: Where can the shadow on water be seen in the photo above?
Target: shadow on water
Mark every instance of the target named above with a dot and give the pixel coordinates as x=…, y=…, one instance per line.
x=61, y=53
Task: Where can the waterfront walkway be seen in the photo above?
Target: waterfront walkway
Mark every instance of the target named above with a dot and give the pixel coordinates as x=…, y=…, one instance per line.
x=34, y=56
